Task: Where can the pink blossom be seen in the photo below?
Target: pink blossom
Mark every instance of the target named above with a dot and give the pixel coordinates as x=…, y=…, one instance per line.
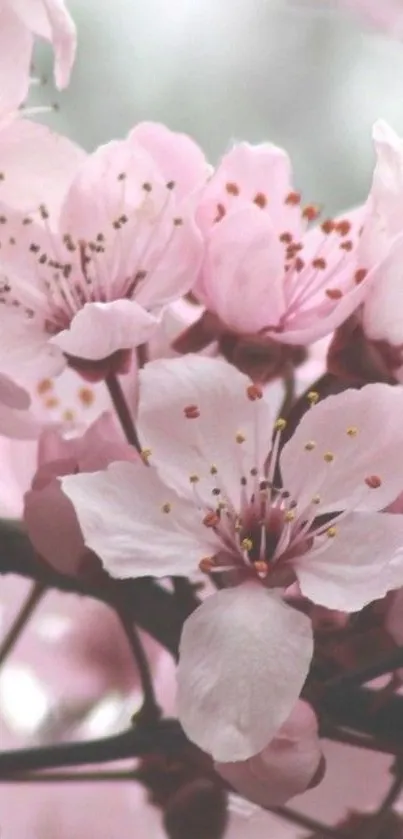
x=88, y=287
x=285, y=768
x=20, y=22
x=384, y=14
x=211, y=498
x=49, y=516
x=263, y=275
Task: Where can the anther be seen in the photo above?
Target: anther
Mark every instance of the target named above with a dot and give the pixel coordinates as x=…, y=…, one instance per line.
x=86, y=396
x=206, y=564
x=232, y=188
x=178, y=221
x=319, y=263
x=247, y=544
x=191, y=412
x=213, y=469
x=328, y=226
x=280, y=424
x=211, y=519
x=260, y=200
x=147, y=187
x=311, y=212
x=286, y=238
x=254, y=392
x=170, y=185
x=315, y=499
x=360, y=275
x=293, y=199
x=194, y=479
x=313, y=397
x=221, y=211
x=166, y=508
x=146, y=454
x=343, y=227
x=239, y=437
x=373, y=481
x=262, y=568
x=333, y=293
x=44, y=386
x=331, y=532
x=352, y=431
x=289, y=515
x=347, y=246
x=328, y=457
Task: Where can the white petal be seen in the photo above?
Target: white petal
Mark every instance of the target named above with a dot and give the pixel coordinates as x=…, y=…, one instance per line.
x=182, y=447
x=244, y=657
x=100, y=329
x=355, y=566
x=122, y=516
x=363, y=431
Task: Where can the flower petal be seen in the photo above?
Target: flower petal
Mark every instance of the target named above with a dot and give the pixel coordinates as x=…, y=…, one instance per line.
x=242, y=274
x=15, y=40
x=37, y=164
x=135, y=524
x=381, y=313
x=100, y=329
x=12, y=394
x=53, y=528
x=355, y=567
x=179, y=159
x=50, y=19
x=184, y=446
x=244, y=657
x=286, y=767
x=340, y=443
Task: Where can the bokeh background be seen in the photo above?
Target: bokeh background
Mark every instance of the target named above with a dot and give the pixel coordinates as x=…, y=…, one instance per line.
x=301, y=73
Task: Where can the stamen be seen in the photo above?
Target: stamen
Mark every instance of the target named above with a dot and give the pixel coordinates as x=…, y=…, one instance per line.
x=313, y=397
x=166, y=508
x=254, y=392
x=310, y=445
x=331, y=532
x=145, y=455
x=211, y=519
x=373, y=481
x=352, y=431
x=239, y=437
x=191, y=412
x=328, y=457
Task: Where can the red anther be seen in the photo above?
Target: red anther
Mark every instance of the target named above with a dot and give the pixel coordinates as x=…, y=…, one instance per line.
x=191, y=412
x=211, y=519
x=206, y=565
x=299, y=264
x=360, y=275
x=319, y=263
x=343, y=227
x=254, y=392
x=221, y=211
x=293, y=198
x=232, y=188
x=373, y=481
x=334, y=293
x=347, y=246
x=286, y=238
x=328, y=226
x=311, y=212
x=260, y=200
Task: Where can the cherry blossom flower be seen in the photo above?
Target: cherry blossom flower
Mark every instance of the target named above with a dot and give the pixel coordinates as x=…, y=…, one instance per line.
x=49, y=516
x=286, y=767
x=263, y=275
x=20, y=22
x=88, y=287
x=211, y=497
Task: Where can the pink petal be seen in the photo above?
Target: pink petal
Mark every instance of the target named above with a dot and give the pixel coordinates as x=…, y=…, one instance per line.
x=50, y=19
x=183, y=446
x=285, y=767
x=249, y=174
x=135, y=524
x=242, y=275
x=381, y=313
x=53, y=528
x=25, y=352
x=38, y=165
x=352, y=569
x=100, y=329
x=244, y=657
x=178, y=157
x=18, y=424
x=12, y=395
x=362, y=430
x=15, y=40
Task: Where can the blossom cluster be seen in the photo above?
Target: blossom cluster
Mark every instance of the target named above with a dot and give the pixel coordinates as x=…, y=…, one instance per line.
x=162, y=321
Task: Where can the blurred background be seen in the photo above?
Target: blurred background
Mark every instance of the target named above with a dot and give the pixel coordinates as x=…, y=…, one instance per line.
x=301, y=73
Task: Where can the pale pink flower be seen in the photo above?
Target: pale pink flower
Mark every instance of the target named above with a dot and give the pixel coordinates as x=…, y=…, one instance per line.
x=211, y=497
x=285, y=768
x=384, y=14
x=88, y=287
x=49, y=516
x=20, y=22
x=263, y=274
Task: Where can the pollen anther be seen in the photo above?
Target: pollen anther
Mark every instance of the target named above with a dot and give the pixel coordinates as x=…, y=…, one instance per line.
x=331, y=532
x=166, y=508
x=247, y=544
x=310, y=445
x=313, y=397
x=191, y=412
x=328, y=457
x=254, y=392
x=352, y=431
x=211, y=519
x=373, y=481
x=280, y=424
x=239, y=437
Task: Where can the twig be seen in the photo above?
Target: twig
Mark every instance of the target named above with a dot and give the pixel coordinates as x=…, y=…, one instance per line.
x=377, y=822
x=150, y=711
x=63, y=777
x=304, y=821
x=379, y=667
x=28, y=607
x=125, y=418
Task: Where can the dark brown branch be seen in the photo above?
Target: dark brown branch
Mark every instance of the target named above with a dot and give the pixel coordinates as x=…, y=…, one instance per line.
x=120, y=405
x=28, y=607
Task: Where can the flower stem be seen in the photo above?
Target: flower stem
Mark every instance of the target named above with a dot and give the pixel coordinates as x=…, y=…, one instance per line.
x=28, y=607
x=150, y=711
x=122, y=410
x=305, y=821
x=379, y=667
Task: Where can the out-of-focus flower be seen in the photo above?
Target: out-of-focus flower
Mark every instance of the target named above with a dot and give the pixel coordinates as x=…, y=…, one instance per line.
x=286, y=767
x=212, y=497
x=384, y=14
x=20, y=22
x=264, y=277
x=49, y=516
x=88, y=287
